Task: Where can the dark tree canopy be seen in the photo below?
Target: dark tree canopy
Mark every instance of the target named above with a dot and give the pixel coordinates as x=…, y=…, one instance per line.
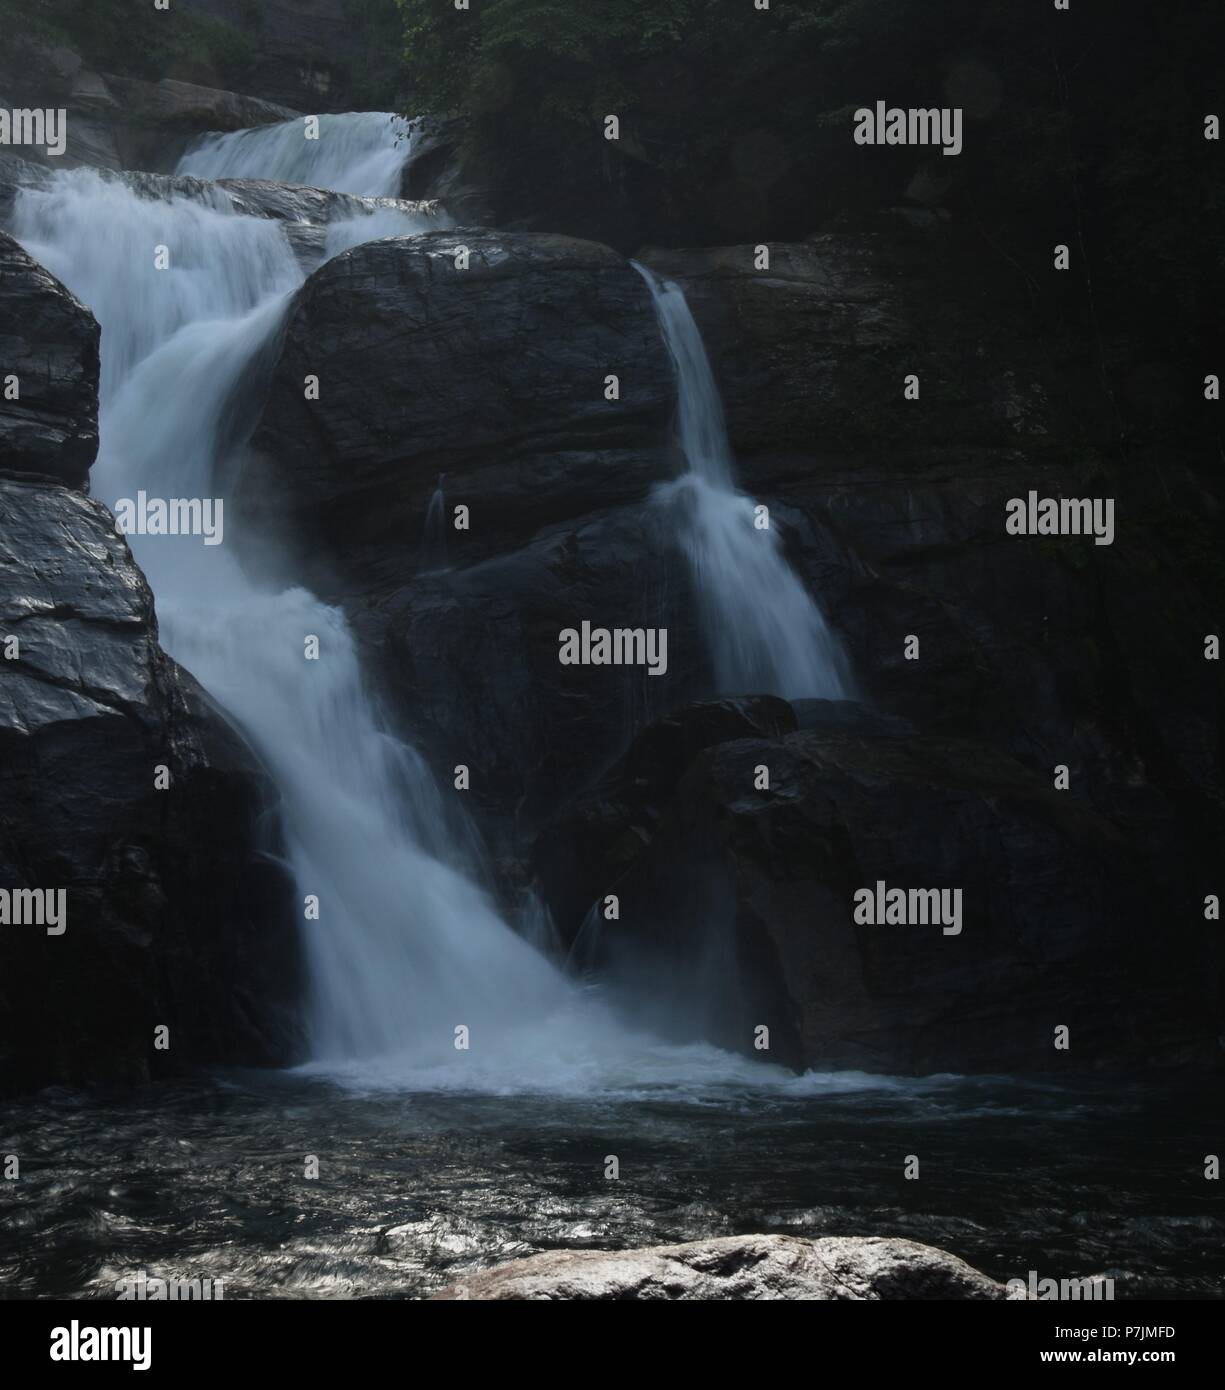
x=735, y=122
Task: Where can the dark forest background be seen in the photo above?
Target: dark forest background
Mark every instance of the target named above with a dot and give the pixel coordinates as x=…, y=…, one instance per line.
x=1083, y=127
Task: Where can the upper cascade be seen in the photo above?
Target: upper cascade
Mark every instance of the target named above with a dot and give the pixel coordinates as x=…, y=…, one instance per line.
x=361, y=152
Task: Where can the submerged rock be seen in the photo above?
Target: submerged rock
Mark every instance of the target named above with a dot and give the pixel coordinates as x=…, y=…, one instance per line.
x=834, y=1268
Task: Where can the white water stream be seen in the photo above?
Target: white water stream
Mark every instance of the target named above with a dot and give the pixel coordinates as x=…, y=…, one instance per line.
x=407, y=948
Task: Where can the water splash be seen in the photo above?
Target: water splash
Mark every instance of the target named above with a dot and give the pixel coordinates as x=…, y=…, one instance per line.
x=766, y=633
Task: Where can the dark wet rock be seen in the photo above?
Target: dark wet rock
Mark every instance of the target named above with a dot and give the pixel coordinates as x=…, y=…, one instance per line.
x=155, y=122
x=308, y=213
x=438, y=169
x=736, y=907
x=517, y=347
x=177, y=912
x=1050, y=649
x=462, y=625
x=121, y=122
x=49, y=358
x=594, y=836
x=841, y=1268
x=312, y=54
x=1057, y=649
x=468, y=659
x=193, y=107
x=1035, y=652
x=850, y=717
x=811, y=353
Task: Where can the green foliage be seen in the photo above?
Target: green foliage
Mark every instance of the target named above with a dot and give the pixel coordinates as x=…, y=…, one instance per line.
x=375, y=78
x=136, y=40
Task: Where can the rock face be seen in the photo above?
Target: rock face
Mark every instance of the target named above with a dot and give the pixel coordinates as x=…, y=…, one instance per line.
x=1056, y=649
x=437, y=170
x=838, y=1268
x=1034, y=654
x=312, y=54
x=463, y=624
x=117, y=122
x=49, y=359
x=176, y=913
x=152, y=123
x=517, y=346
x=1051, y=650
x=737, y=901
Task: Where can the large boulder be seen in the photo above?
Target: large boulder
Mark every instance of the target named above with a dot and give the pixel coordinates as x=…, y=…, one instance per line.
x=49, y=360
x=485, y=388
x=735, y=845
x=493, y=374
x=177, y=912
x=835, y=1268
x=153, y=123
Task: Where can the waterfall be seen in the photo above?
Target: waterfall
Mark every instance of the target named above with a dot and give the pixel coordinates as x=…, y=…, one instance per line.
x=405, y=948
x=362, y=152
x=766, y=634
x=407, y=955
x=434, y=543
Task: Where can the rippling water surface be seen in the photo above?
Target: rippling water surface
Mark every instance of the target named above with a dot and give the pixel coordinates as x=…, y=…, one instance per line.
x=207, y=1180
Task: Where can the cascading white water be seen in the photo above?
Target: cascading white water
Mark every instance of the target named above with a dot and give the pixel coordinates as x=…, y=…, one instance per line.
x=406, y=948
x=766, y=633
x=363, y=152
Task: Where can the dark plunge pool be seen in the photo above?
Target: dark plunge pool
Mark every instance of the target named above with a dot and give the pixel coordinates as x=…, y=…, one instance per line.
x=203, y=1181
